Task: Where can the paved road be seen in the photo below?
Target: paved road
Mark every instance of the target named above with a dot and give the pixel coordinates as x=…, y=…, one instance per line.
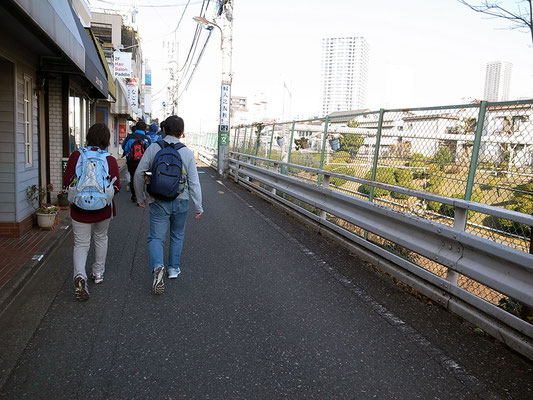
x=263, y=309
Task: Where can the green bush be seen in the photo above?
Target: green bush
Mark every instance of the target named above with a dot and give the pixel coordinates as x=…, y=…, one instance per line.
x=436, y=176
x=433, y=205
x=417, y=160
x=339, y=169
x=341, y=157
x=443, y=157
x=449, y=210
x=383, y=175
x=403, y=176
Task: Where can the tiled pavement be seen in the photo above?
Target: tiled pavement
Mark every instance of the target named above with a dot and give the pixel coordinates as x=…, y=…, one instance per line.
x=20, y=257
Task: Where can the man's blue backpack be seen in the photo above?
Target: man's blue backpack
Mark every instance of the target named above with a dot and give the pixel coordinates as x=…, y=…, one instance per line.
x=92, y=188
x=168, y=178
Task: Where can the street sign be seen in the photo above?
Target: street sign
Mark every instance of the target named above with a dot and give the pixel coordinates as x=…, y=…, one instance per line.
x=224, y=105
x=224, y=139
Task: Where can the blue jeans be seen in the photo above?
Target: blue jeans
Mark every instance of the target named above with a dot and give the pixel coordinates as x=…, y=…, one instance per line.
x=161, y=213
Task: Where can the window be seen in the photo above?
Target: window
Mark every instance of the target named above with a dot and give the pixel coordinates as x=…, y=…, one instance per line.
x=77, y=107
x=28, y=134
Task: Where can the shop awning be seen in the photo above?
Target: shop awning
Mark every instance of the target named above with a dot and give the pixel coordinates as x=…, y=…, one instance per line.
x=110, y=79
x=94, y=71
x=55, y=19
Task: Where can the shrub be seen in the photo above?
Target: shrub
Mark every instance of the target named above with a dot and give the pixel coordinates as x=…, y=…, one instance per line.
x=443, y=157
x=436, y=176
x=342, y=157
x=339, y=169
x=417, y=160
x=384, y=175
x=403, y=176
x=449, y=210
x=434, y=205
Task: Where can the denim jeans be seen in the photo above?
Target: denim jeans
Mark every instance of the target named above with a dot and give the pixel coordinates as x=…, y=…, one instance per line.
x=161, y=214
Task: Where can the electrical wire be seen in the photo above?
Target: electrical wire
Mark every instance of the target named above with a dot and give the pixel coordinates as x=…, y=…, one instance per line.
x=196, y=65
x=146, y=6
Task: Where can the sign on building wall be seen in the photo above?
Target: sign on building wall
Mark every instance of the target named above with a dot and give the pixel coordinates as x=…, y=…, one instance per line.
x=133, y=94
x=122, y=64
x=147, y=100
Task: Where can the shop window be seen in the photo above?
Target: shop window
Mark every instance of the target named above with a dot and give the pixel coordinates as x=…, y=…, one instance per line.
x=77, y=110
x=28, y=131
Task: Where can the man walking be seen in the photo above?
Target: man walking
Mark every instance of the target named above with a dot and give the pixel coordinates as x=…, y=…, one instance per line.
x=174, y=181
x=134, y=147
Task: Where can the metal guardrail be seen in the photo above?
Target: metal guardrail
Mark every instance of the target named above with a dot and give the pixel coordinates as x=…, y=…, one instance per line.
x=496, y=266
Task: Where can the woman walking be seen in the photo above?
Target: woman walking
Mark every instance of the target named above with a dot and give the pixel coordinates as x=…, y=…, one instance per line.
x=92, y=177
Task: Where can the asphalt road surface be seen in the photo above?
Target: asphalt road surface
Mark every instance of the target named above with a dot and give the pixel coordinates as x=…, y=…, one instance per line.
x=263, y=309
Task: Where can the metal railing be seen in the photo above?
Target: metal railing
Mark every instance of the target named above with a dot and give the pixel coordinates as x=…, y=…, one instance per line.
x=463, y=168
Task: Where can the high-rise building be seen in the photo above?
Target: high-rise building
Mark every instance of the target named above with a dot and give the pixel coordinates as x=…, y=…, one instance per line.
x=344, y=74
x=497, y=81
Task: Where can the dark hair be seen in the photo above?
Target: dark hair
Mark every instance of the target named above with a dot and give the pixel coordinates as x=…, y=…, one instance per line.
x=98, y=135
x=174, y=126
x=162, y=125
x=140, y=125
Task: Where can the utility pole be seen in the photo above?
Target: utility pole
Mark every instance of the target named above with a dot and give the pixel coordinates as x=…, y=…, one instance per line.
x=226, y=29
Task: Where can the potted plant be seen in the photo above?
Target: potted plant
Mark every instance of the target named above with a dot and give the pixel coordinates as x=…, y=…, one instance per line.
x=280, y=141
x=46, y=214
x=334, y=142
x=302, y=143
x=62, y=198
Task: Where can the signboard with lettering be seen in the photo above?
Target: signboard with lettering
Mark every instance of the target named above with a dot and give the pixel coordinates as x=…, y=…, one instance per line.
x=133, y=94
x=225, y=99
x=122, y=64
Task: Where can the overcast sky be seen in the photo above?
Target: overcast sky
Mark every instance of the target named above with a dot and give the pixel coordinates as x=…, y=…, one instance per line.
x=422, y=52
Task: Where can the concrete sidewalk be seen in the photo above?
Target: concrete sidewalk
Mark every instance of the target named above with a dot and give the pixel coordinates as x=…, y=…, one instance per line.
x=263, y=309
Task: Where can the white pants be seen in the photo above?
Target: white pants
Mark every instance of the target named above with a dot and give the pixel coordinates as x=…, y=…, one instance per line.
x=82, y=243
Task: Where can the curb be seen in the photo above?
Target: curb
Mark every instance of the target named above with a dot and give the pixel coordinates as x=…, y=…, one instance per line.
x=12, y=288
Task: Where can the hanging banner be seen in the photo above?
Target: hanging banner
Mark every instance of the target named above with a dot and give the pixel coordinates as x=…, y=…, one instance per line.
x=133, y=94
x=122, y=64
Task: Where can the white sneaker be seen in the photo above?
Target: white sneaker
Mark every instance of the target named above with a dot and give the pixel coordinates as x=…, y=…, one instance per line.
x=173, y=273
x=158, y=285
x=97, y=278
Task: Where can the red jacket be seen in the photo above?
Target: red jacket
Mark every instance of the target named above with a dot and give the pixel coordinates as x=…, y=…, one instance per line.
x=78, y=214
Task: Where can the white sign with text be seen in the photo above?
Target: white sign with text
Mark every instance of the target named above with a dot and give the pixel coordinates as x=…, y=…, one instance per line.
x=122, y=64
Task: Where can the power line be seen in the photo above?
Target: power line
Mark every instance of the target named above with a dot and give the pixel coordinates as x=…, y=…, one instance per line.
x=196, y=65
x=146, y=6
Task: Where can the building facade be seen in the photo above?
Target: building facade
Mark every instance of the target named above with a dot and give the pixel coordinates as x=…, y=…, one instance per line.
x=344, y=74
x=497, y=81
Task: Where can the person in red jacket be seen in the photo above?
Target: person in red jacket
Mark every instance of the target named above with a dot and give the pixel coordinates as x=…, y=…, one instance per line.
x=91, y=223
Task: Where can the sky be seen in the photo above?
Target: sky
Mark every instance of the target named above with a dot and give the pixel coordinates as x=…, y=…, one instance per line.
x=422, y=53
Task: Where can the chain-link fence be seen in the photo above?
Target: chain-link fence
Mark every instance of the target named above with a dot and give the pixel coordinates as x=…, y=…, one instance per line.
x=480, y=152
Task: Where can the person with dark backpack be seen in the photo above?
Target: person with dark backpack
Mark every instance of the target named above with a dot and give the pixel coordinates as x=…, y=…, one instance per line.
x=134, y=147
x=171, y=170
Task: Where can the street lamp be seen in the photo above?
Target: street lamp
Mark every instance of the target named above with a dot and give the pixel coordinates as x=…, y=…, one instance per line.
x=225, y=88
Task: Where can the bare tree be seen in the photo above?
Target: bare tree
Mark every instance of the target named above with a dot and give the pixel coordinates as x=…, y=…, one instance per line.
x=521, y=17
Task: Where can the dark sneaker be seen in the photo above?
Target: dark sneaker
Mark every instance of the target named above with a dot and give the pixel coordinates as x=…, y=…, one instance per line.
x=158, y=286
x=97, y=278
x=134, y=199
x=82, y=292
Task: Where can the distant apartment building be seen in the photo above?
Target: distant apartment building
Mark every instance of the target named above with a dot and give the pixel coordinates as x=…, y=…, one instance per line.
x=497, y=81
x=344, y=73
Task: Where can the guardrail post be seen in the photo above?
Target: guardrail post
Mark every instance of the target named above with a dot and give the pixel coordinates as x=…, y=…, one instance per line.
x=475, y=150
x=235, y=138
x=325, y=184
x=248, y=161
x=459, y=224
x=323, y=150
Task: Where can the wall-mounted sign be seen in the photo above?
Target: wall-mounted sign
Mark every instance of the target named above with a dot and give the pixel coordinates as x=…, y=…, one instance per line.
x=133, y=94
x=224, y=108
x=122, y=64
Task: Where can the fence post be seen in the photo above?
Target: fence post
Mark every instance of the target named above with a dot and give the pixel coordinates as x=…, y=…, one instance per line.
x=257, y=141
x=376, y=153
x=244, y=139
x=323, y=150
x=290, y=142
x=235, y=138
x=271, y=140
x=475, y=150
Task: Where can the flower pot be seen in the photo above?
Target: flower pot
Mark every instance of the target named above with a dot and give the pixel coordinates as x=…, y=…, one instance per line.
x=46, y=220
x=62, y=201
x=335, y=144
x=281, y=142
